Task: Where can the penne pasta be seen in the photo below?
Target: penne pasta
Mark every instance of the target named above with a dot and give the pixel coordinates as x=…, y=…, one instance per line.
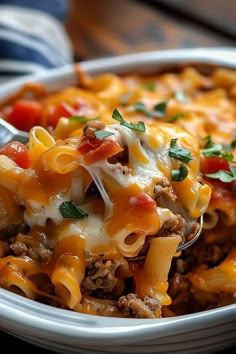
x=154, y=279
x=118, y=173
x=39, y=141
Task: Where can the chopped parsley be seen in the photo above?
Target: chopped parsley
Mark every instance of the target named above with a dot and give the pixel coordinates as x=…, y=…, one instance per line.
x=140, y=126
x=159, y=110
x=233, y=144
x=224, y=176
x=180, y=174
x=81, y=119
x=175, y=118
x=101, y=134
x=181, y=96
x=150, y=86
x=70, y=210
x=212, y=149
x=230, y=146
x=179, y=153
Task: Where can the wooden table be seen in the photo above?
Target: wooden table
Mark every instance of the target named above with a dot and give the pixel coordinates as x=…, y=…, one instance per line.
x=104, y=28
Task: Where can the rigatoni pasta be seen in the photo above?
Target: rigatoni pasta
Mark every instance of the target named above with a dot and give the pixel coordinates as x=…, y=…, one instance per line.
x=116, y=175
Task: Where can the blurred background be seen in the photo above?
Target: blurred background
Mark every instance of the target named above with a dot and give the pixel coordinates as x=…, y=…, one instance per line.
x=35, y=35
x=103, y=28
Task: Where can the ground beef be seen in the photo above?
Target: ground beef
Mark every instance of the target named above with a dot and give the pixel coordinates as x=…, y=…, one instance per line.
x=194, y=230
x=164, y=190
x=19, y=248
x=125, y=170
x=213, y=253
x=120, y=159
x=4, y=248
x=33, y=246
x=210, y=254
x=100, y=277
x=15, y=228
x=181, y=294
x=224, y=299
x=91, y=127
x=234, y=188
x=179, y=285
x=180, y=266
x=132, y=306
x=174, y=226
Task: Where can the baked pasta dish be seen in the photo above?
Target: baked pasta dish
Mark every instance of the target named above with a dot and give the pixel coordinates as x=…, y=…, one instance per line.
x=116, y=174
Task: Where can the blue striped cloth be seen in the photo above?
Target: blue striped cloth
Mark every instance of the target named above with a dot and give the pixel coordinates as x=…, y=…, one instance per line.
x=32, y=36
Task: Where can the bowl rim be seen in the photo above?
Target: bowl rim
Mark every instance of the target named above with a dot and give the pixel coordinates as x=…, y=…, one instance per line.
x=47, y=319
x=18, y=312
x=215, y=56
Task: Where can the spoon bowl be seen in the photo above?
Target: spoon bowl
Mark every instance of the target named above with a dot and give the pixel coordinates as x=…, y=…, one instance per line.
x=184, y=245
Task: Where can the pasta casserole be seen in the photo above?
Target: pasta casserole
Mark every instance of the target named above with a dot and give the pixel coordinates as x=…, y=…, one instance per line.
x=116, y=175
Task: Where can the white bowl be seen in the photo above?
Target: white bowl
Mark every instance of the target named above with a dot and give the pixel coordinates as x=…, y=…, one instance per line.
x=69, y=332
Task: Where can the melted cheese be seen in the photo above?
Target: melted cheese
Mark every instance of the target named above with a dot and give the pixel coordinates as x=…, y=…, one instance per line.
x=149, y=164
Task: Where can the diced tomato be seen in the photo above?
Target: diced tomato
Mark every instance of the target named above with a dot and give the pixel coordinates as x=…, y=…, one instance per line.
x=88, y=144
x=61, y=110
x=143, y=200
x=95, y=150
x=25, y=114
x=18, y=153
x=79, y=105
x=213, y=165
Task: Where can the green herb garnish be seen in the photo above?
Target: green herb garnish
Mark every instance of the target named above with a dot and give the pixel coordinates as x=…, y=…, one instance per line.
x=81, y=119
x=101, y=134
x=175, y=118
x=140, y=126
x=140, y=107
x=70, y=210
x=150, y=86
x=224, y=176
x=212, y=149
x=180, y=174
x=208, y=142
x=179, y=153
x=159, y=110
x=181, y=96
x=233, y=144
x=230, y=146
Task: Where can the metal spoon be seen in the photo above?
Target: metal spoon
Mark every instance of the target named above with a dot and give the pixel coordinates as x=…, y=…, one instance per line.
x=184, y=245
x=9, y=133
x=181, y=247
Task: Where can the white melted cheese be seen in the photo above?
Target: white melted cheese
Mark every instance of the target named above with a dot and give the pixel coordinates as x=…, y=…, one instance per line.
x=142, y=173
x=90, y=228
x=38, y=214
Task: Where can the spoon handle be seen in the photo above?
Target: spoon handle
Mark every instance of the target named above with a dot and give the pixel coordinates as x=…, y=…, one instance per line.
x=9, y=133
